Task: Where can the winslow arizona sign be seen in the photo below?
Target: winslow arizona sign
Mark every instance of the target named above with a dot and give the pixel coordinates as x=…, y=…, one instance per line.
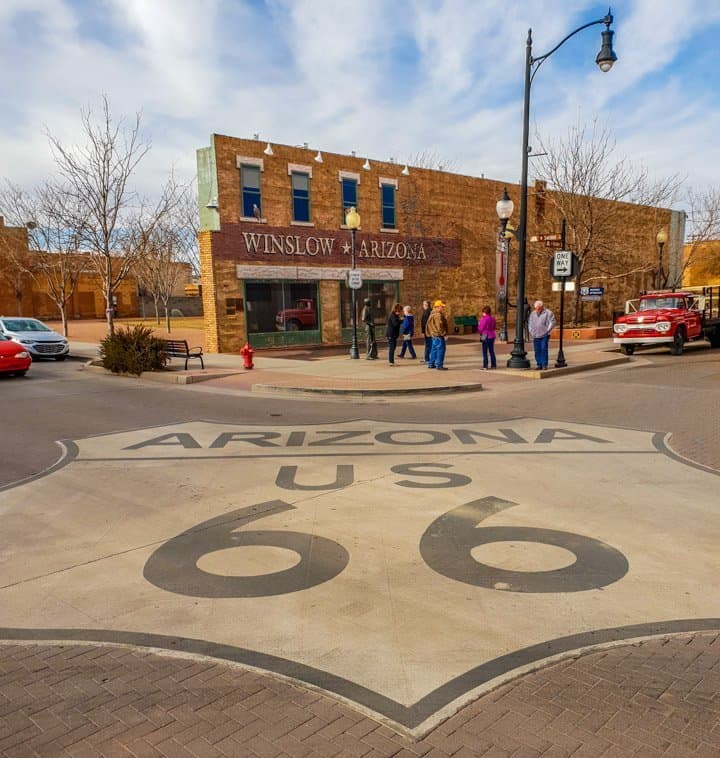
x=253, y=242
x=402, y=567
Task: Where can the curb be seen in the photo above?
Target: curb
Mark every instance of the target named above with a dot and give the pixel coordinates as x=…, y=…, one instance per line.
x=169, y=377
x=555, y=372
x=361, y=393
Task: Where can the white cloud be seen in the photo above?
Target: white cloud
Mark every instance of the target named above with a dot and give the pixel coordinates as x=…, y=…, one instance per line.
x=383, y=77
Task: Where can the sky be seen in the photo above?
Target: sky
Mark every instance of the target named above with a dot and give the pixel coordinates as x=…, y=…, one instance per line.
x=386, y=78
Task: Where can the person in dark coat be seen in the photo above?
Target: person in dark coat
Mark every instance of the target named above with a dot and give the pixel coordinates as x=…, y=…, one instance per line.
x=426, y=311
x=393, y=331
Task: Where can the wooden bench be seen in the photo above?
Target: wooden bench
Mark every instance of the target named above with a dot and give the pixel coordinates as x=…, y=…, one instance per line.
x=180, y=349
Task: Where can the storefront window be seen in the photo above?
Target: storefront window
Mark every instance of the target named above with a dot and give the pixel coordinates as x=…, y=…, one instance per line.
x=383, y=295
x=281, y=306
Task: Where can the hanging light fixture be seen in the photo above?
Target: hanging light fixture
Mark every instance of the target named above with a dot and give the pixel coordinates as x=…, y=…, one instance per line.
x=318, y=157
x=366, y=165
x=268, y=150
x=405, y=171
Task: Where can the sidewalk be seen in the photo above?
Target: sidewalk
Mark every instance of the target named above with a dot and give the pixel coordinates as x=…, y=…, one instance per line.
x=325, y=372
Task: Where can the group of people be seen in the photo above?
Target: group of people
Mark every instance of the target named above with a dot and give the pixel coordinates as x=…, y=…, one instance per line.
x=434, y=327
x=401, y=327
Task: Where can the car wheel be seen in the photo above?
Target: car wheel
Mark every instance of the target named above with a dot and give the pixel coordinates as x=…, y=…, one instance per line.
x=627, y=349
x=678, y=342
x=293, y=325
x=60, y=357
x=21, y=373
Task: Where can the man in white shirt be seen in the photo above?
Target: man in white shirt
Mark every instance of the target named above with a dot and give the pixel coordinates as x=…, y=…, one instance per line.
x=540, y=324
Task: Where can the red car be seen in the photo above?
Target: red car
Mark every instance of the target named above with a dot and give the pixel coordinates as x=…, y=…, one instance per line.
x=14, y=359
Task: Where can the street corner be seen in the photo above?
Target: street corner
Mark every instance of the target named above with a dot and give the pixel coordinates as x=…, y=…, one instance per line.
x=403, y=567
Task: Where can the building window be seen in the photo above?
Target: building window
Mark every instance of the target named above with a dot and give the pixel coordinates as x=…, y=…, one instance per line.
x=300, y=196
x=349, y=195
x=382, y=295
x=388, y=205
x=251, y=202
x=281, y=306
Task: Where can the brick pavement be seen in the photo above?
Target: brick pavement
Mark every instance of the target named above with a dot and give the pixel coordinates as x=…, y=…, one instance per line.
x=652, y=698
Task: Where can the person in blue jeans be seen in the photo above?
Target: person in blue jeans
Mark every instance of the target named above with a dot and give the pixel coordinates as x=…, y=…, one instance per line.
x=540, y=324
x=486, y=327
x=406, y=330
x=393, y=331
x=437, y=328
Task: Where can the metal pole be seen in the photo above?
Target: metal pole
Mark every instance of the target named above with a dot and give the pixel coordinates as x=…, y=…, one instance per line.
x=518, y=357
x=506, y=273
x=354, y=352
x=659, y=283
x=560, y=362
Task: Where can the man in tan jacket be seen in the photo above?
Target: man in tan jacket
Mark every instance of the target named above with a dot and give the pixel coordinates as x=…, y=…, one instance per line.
x=437, y=329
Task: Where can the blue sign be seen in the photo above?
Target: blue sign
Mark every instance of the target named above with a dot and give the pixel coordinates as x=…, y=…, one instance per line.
x=592, y=291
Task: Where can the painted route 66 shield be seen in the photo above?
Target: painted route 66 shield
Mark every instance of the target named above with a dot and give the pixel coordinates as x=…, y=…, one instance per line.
x=400, y=566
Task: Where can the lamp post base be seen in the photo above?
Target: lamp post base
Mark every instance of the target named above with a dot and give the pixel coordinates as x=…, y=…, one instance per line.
x=518, y=357
x=354, y=351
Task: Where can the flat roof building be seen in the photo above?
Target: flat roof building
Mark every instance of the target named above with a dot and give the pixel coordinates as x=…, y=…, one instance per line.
x=275, y=251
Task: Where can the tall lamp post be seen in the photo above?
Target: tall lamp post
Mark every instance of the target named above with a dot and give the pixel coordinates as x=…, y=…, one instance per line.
x=352, y=221
x=504, y=208
x=605, y=59
x=661, y=239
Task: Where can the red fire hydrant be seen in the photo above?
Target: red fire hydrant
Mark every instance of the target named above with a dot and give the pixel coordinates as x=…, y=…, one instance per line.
x=247, y=355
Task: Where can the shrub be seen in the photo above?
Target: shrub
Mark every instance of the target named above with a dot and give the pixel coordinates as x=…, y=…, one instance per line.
x=132, y=350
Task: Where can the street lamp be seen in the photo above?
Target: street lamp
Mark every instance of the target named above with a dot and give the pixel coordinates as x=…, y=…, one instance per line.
x=661, y=239
x=504, y=208
x=352, y=221
x=605, y=59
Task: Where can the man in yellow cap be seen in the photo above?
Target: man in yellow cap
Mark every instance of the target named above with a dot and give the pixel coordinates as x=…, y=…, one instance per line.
x=437, y=329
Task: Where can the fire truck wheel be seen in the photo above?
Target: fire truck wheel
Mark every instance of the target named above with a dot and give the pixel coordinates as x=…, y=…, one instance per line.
x=293, y=325
x=678, y=342
x=715, y=337
x=627, y=349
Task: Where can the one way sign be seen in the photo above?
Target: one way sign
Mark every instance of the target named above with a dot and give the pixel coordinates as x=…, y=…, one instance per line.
x=562, y=263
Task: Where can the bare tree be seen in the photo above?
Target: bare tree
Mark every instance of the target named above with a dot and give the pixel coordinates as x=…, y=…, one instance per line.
x=170, y=247
x=704, y=228
x=16, y=262
x=590, y=186
x=103, y=210
x=53, y=261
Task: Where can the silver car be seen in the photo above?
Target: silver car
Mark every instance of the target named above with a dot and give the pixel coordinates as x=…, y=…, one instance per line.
x=39, y=340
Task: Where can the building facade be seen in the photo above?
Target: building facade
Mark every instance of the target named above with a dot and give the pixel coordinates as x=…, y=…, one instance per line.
x=26, y=294
x=275, y=251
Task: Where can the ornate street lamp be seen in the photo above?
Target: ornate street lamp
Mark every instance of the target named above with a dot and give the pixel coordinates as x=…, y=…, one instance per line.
x=504, y=208
x=661, y=239
x=352, y=221
x=605, y=59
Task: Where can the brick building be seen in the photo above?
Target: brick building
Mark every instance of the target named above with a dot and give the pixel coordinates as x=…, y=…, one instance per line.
x=272, y=240
x=23, y=294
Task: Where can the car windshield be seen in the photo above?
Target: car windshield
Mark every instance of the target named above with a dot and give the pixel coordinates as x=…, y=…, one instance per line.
x=651, y=303
x=24, y=325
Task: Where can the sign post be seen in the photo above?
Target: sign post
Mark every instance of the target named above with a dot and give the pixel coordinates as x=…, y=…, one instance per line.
x=561, y=362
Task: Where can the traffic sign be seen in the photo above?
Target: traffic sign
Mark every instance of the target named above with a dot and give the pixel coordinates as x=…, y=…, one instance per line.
x=592, y=291
x=562, y=263
x=355, y=279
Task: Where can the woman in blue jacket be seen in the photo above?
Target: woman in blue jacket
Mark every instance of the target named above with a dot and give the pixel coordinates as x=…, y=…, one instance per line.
x=406, y=329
